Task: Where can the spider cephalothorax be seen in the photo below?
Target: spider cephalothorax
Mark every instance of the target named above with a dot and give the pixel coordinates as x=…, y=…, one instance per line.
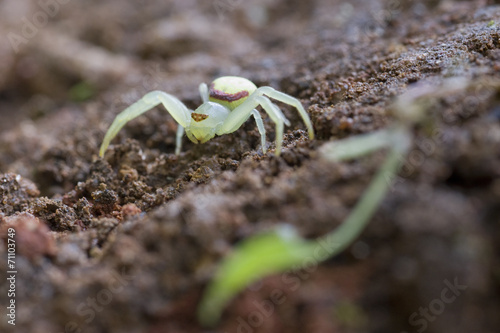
x=230, y=101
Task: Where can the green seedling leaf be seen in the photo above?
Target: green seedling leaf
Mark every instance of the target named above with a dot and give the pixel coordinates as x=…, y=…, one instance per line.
x=254, y=258
x=356, y=146
x=364, y=144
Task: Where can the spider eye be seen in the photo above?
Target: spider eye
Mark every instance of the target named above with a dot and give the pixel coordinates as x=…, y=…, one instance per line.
x=198, y=116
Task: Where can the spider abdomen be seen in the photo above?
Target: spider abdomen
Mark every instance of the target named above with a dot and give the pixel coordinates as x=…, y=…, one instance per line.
x=231, y=91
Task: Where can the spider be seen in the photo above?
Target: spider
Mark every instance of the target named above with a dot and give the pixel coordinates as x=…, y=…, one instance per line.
x=229, y=102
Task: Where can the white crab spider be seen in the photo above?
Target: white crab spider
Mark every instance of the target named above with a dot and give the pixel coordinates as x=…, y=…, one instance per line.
x=230, y=101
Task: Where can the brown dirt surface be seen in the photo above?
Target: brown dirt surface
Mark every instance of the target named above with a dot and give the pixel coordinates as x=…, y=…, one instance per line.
x=128, y=242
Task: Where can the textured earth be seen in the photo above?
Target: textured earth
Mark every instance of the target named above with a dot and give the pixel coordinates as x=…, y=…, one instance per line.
x=128, y=242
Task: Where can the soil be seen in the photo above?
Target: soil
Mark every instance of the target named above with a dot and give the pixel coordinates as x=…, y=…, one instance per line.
x=128, y=242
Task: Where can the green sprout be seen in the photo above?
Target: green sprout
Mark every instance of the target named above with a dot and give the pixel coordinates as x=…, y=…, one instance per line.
x=283, y=248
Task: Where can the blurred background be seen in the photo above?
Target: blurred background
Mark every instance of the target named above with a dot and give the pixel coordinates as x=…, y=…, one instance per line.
x=59, y=51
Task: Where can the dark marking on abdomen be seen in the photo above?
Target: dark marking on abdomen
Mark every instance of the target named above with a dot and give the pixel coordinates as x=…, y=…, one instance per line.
x=224, y=96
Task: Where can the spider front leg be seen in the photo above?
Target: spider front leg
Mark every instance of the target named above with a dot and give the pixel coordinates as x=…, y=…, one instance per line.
x=203, y=88
x=287, y=99
x=174, y=106
x=178, y=139
x=260, y=127
x=277, y=116
x=239, y=115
